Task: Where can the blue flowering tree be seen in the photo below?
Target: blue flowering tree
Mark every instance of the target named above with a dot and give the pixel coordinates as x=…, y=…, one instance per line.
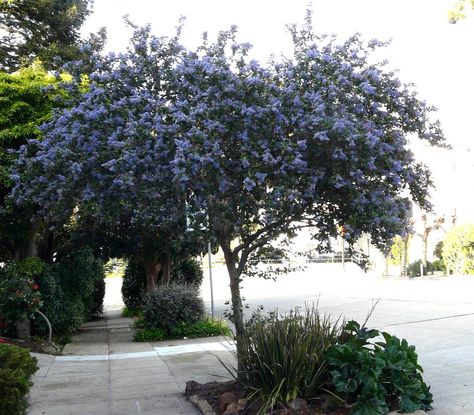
x=249, y=152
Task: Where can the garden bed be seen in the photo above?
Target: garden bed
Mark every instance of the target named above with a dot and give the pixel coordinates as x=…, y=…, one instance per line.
x=227, y=398
x=35, y=346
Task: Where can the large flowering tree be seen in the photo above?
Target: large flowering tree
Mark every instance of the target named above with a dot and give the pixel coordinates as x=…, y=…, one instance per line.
x=248, y=151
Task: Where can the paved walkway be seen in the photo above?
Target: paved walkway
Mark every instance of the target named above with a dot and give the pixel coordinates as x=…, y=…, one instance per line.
x=103, y=372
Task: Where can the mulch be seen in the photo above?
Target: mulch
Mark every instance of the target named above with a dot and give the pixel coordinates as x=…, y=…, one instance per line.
x=213, y=393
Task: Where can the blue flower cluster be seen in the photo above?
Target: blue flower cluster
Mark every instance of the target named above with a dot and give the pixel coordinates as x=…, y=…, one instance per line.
x=318, y=140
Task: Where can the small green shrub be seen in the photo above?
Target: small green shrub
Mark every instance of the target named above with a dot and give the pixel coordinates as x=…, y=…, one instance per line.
x=16, y=368
x=285, y=357
x=148, y=334
x=204, y=328
x=458, y=250
x=168, y=306
x=377, y=376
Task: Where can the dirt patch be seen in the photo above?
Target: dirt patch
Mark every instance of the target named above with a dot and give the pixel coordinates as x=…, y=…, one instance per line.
x=228, y=398
x=35, y=346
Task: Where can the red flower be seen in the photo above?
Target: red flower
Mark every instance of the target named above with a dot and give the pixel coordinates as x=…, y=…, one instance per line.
x=18, y=293
x=34, y=287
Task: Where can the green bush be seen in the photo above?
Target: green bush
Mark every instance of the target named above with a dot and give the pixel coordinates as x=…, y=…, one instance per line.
x=458, y=250
x=16, y=368
x=72, y=291
x=285, y=357
x=377, y=376
x=183, y=271
x=134, y=285
x=186, y=271
x=19, y=290
x=168, y=306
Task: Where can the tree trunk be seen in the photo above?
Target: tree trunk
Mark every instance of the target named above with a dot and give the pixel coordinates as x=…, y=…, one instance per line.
x=424, y=255
x=165, y=270
x=237, y=310
x=23, y=329
x=403, y=270
x=152, y=270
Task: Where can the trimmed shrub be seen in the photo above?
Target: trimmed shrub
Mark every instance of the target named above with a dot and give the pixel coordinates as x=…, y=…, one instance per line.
x=171, y=305
x=286, y=357
x=458, y=250
x=16, y=368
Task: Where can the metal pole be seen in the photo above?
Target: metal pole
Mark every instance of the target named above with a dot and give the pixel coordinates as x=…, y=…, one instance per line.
x=343, y=259
x=210, y=277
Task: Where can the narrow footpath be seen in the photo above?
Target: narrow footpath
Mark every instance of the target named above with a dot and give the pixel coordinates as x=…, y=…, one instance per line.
x=103, y=372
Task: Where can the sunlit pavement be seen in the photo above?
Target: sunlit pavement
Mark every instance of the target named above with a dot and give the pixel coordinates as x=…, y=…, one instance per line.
x=434, y=314
x=104, y=372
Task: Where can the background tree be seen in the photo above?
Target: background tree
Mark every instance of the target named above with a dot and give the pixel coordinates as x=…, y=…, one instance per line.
x=458, y=11
x=26, y=101
x=45, y=30
x=458, y=250
x=250, y=152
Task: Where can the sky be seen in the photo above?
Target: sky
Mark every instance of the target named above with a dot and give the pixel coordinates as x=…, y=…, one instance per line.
x=428, y=51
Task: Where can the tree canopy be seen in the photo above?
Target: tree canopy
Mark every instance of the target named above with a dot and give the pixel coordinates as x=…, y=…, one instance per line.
x=248, y=151
x=44, y=30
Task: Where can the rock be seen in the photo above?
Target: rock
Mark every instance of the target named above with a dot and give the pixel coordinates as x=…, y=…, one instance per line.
x=225, y=400
x=298, y=404
x=233, y=409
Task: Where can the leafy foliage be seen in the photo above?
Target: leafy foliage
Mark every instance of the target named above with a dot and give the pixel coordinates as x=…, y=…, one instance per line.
x=16, y=368
x=44, y=29
x=458, y=250
x=149, y=334
x=19, y=289
x=26, y=101
x=72, y=291
x=203, y=328
x=134, y=284
x=285, y=357
x=377, y=376
x=169, y=306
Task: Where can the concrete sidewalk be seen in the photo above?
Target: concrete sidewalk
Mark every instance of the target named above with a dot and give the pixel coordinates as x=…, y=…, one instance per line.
x=103, y=372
